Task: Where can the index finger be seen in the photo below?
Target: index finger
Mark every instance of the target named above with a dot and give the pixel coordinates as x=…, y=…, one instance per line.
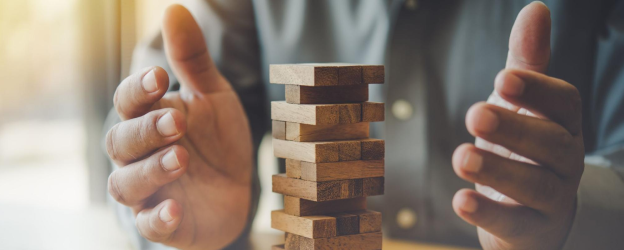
x=544, y=96
x=136, y=94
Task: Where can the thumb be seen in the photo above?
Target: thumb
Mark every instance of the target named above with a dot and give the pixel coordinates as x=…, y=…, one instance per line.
x=187, y=53
x=529, y=42
x=529, y=49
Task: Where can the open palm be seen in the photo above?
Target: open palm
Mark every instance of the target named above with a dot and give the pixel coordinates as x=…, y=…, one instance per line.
x=185, y=157
x=527, y=160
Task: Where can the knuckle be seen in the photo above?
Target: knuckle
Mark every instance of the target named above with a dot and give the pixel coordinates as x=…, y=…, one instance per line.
x=145, y=128
x=113, y=189
x=155, y=229
x=147, y=231
x=567, y=144
x=147, y=173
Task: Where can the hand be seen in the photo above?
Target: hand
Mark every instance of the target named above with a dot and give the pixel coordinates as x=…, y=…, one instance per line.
x=527, y=161
x=185, y=157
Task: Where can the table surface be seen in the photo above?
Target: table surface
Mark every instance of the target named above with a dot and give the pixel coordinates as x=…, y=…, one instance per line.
x=262, y=241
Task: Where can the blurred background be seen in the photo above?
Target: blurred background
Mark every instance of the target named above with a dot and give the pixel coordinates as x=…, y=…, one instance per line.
x=60, y=62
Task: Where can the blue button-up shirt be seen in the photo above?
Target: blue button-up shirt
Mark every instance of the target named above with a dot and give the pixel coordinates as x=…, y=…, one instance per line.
x=440, y=57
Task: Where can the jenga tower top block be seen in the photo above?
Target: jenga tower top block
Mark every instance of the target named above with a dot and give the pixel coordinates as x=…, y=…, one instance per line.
x=327, y=74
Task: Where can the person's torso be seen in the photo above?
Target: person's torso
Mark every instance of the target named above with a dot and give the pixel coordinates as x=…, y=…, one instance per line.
x=441, y=57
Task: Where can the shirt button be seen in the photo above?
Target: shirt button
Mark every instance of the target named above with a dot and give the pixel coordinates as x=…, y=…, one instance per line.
x=411, y=4
x=406, y=218
x=402, y=110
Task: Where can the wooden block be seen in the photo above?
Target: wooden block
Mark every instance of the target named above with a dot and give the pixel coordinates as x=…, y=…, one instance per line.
x=308, y=114
x=315, y=74
x=279, y=130
x=349, y=74
x=373, y=74
x=307, y=151
x=323, y=191
x=346, y=223
x=373, y=112
x=329, y=151
x=305, y=132
x=314, y=226
x=295, y=187
x=368, y=241
x=369, y=221
x=316, y=114
x=337, y=170
x=293, y=168
x=350, y=113
x=326, y=95
x=303, y=74
x=373, y=149
x=301, y=207
x=278, y=247
x=373, y=186
x=349, y=150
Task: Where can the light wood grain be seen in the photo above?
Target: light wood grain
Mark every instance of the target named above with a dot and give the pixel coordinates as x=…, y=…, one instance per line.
x=329, y=151
x=316, y=114
x=327, y=190
x=325, y=74
x=342, y=170
x=305, y=133
x=293, y=168
x=279, y=130
x=302, y=207
x=368, y=241
x=307, y=151
x=314, y=226
x=303, y=74
x=321, y=226
x=373, y=112
x=295, y=187
x=326, y=94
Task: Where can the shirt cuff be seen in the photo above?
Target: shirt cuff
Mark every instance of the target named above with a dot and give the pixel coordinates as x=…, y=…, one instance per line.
x=599, y=219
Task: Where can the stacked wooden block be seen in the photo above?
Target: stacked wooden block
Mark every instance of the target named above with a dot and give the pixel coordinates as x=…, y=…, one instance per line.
x=322, y=130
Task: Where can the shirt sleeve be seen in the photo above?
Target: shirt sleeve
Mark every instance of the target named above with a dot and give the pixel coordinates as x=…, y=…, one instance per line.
x=599, y=219
x=230, y=33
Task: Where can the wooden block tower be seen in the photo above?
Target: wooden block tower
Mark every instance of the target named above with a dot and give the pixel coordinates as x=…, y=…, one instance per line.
x=322, y=130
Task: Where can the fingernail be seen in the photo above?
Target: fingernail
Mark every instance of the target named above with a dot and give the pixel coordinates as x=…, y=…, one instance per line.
x=472, y=162
x=468, y=204
x=165, y=215
x=487, y=121
x=170, y=161
x=166, y=125
x=149, y=82
x=509, y=84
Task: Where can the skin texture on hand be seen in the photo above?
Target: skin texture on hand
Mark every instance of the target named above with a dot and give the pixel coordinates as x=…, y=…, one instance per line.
x=185, y=157
x=527, y=160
